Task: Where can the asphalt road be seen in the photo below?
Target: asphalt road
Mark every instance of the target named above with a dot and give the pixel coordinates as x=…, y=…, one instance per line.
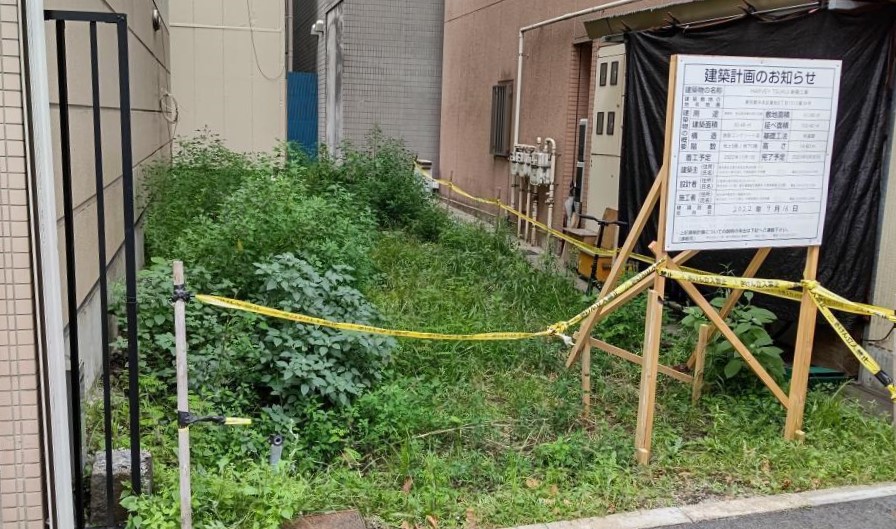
x=878, y=513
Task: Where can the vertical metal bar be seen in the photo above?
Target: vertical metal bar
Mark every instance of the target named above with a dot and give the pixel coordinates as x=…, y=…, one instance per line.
x=130, y=249
x=101, y=253
x=70, y=271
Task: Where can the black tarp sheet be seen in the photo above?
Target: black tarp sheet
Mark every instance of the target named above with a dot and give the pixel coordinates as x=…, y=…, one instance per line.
x=864, y=42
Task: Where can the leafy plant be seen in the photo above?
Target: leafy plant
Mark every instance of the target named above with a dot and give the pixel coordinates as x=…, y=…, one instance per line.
x=749, y=323
x=301, y=361
x=196, y=181
x=381, y=175
x=272, y=215
x=217, y=341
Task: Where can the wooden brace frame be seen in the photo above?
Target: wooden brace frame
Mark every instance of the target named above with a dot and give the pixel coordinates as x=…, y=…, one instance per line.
x=657, y=198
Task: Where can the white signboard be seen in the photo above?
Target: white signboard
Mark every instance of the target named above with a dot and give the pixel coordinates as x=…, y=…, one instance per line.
x=751, y=152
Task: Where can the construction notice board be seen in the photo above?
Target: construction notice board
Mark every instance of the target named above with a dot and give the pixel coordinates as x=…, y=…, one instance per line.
x=750, y=152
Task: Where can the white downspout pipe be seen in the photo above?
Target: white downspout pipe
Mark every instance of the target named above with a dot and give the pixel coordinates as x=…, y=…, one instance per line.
x=53, y=340
x=552, y=179
x=520, y=53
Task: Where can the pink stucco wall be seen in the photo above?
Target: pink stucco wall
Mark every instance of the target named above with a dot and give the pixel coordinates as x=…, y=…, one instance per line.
x=480, y=50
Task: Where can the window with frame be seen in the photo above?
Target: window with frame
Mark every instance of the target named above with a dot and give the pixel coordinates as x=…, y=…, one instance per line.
x=501, y=117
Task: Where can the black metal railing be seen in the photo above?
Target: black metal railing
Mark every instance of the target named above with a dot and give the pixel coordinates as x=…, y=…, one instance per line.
x=120, y=21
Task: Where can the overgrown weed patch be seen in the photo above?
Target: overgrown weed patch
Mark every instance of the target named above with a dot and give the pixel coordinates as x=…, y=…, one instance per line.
x=473, y=434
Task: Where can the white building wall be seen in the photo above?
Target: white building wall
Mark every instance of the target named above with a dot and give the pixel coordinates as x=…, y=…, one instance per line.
x=228, y=70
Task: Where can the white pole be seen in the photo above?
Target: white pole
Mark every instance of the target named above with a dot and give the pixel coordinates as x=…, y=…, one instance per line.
x=183, y=405
x=520, y=54
x=53, y=338
x=552, y=186
x=518, y=90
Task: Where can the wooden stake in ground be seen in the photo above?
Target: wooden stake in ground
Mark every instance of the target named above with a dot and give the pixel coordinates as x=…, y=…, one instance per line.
x=586, y=381
x=183, y=405
x=802, y=358
x=700, y=362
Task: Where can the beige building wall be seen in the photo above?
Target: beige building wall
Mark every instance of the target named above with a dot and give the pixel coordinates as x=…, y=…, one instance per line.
x=229, y=70
x=21, y=499
x=149, y=54
x=880, y=337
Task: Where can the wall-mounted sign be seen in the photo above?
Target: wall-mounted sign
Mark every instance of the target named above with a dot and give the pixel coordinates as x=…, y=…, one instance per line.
x=751, y=149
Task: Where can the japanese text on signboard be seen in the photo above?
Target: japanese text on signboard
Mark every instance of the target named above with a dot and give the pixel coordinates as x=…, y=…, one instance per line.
x=751, y=150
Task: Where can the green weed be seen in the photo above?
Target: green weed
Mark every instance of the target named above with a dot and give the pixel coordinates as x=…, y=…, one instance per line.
x=471, y=434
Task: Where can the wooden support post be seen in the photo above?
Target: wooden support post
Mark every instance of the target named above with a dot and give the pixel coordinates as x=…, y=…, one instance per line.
x=803, y=352
x=734, y=295
x=586, y=381
x=647, y=392
x=729, y=335
x=653, y=325
x=703, y=337
x=624, y=298
x=183, y=404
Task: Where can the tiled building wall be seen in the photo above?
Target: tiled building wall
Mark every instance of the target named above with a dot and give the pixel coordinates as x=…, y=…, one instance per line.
x=391, y=71
x=21, y=503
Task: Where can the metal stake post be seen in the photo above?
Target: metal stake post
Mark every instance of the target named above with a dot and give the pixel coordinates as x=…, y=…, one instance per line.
x=183, y=405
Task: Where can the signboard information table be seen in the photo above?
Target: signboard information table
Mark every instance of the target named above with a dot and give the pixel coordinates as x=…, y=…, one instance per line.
x=750, y=152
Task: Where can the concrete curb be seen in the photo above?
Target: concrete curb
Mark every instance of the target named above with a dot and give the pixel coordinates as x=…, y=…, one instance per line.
x=724, y=509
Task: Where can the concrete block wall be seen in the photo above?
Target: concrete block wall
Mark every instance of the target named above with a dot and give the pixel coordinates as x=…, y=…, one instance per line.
x=21, y=485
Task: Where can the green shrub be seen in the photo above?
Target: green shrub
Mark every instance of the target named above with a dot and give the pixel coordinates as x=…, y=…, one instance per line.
x=195, y=183
x=301, y=361
x=245, y=361
x=218, y=342
x=381, y=175
x=267, y=216
x=723, y=363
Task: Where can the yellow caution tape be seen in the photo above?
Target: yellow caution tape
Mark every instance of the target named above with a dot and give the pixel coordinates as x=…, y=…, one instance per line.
x=582, y=246
x=793, y=295
x=613, y=294
x=556, y=329
x=840, y=303
x=228, y=303
x=237, y=421
x=771, y=287
x=738, y=283
x=857, y=350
